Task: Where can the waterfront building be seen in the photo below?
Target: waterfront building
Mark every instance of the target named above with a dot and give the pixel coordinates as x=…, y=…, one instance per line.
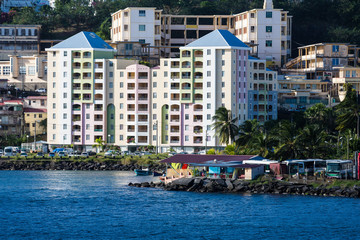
x=91, y=94
x=77, y=90
x=25, y=72
x=267, y=30
x=296, y=93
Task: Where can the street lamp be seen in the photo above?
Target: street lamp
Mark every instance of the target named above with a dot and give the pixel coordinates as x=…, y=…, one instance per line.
x=109, y=138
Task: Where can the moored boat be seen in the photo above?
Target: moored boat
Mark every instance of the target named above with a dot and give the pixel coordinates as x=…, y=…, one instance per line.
x=142, y=172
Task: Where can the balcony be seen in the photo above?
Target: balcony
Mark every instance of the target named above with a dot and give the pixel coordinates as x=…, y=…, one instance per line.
x=131, y=129
x=87, y=97
x=142, y=129
x=98, y=107
x=98, y=97
x=198, y=53
x=143, y=75
x=198, y=97
x=186, y=64
x=198, y=140
x=76, y=55
x=175, y=108
x=98, y=128
x=142, y=139
x=175, y=86
x=186, y=54
x=198, y=108
x=131, y=75
x=76, y=107
x=198, y=118
x=76, y=86
x=87, y=55
x=143, y=86
x=86, y=65
x=131, y=97
x=99, y=76
x=76, y=118
x=198, y=129
x=174, y=140
x=175, y=65
x=143, y=118
x=143, y=107
x=143, y=97
x=174, y=119
x=76, y=65
x=131, y=118
x=175, y=75
x=186, y=75
x=175, y=129
x=98, y=118
x=98, y=86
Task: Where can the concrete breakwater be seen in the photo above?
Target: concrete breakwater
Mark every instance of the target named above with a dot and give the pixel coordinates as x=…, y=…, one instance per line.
x=261, y=187
x=74, y=165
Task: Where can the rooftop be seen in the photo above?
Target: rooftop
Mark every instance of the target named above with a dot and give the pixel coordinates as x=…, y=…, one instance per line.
x=218, y=38
x=83, y=40
x=203, y=159
x=35, y=110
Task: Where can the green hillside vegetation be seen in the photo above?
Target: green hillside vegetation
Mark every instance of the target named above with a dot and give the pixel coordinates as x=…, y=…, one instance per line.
x=313, y=21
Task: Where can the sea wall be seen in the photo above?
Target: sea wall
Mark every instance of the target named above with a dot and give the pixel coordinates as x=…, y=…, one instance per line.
x=74, y=165
x=253, y=187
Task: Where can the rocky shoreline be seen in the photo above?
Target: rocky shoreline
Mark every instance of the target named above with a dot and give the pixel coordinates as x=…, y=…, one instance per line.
x=74, y=165
x=240, y=186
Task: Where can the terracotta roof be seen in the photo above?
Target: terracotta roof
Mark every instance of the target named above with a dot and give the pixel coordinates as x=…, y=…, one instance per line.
x=28, y=110
x=36, y=97
x=193, y=158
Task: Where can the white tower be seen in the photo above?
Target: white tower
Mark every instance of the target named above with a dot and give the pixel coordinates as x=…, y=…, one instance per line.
x=268, y=4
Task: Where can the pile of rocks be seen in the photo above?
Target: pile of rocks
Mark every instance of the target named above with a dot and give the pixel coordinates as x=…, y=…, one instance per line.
x=74, y=165
x=241, y=186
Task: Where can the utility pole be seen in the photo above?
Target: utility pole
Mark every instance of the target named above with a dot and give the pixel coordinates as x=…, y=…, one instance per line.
x=157, y=135
x=206, y=141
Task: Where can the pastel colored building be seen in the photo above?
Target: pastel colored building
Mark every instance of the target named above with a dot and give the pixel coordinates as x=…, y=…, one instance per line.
x=91, y=94
x=77, y=90
x=267, y=30
x=25, y=72
x=35, y=111
x=296, y=93
x=346, y=75
x=11, y=117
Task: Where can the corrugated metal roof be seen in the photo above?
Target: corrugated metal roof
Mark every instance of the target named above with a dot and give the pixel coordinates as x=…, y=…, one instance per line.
x=218, y=38
x=83, y=40
x=193, y=158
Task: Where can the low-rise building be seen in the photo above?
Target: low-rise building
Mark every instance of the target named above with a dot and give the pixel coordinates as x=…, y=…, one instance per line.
x=296, y=93
x=25, y=72
x=11, y=117
x=346, y=75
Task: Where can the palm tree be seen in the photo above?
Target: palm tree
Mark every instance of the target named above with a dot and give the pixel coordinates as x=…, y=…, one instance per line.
x=289, y=141
x=247, y=131
x=225, y=127
x=312, y=141
x=349, y=110
x=99, y=143
x=262, y=144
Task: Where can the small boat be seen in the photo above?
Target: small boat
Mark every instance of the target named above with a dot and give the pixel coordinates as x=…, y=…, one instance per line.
x=157, y=174
x=143, y=172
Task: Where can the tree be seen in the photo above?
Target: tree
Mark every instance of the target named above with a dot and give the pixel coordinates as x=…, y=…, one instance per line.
x=99, y=144
x=43, y=124
x=349, y=111
x=247, y=131
x=225, y=127
x=289, y=142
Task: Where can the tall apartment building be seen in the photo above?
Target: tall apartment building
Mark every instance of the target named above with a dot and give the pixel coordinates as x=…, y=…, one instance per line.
x=25, y=72
x=268, y=30
x=77, y=90
x=171, y=105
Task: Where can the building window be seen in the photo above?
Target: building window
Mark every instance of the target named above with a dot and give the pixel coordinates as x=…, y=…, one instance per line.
x=165, y=84
x=65, y=84
x=111, y=84
x=121, y=74
x=141, y=28
x=121, y=137
x=64, y=105
x=121, y=84
x=154, y=95
x=54, y=115
x=87, y=106
x=121, y=95
x=223, y=51
x=54, y=136
x=54, y=64
x=165, y=63
x=223, y=84
x=208, y=73
x=54, y=74
x=165, y=95
x=186, y=127
x=335, y=48
x=142, y=41
x=22, y=70
x=186, y=116
x=154, y=105
x=268, y=43
x=54, y=95
x=31, y=70
x=186, y=106
x=111, y=95
x=121, y=105
x=54, y=126
x=208, y=116
x=111, y=74
x=6, y=70
x=208, y=95
x=268, y=28
x=65, y=116
x=268, y=14
x=64, y=126
x=121, y=116
x=65, y=74
x=165, y=74
x=65, y=53
x=208, y=84
x=208, y=62
x=223, y=95
x=142, y=13
x=87, y=126
x=208, y=106
x=335, y=61
x=155, y=74
x=87, y=137
x=87, y=116
x=223, y=62
x=252, y=28
x=154, y=116
x=111, y=64
x=65, y=95
x=121, y=126
x=252, y=15
x=208, y=51
x=186, y=138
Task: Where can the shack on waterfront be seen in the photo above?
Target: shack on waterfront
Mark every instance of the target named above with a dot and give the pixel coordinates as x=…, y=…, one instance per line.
x=212, y=166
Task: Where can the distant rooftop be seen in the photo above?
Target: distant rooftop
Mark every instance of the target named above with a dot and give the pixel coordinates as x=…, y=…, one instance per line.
x=83, y=40
x=202, y=159
x=218, y=38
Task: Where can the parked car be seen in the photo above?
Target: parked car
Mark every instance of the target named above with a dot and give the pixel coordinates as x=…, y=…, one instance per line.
x=23, y=154
x=85, y=154
x=41, y=90
x=91, y=153
x=183, y=153
x=110, y=153
x=40, y=154
x=62, y=154
x=202, y=152
x=52, y=154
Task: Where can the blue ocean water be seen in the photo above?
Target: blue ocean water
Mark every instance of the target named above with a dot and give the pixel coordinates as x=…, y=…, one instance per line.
x=100, y=205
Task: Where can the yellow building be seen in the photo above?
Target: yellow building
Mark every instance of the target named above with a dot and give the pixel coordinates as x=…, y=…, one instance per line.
x=350, y=75
x=33, y=117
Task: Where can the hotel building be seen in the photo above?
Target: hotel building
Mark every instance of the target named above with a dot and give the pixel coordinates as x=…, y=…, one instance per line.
x=92, y=95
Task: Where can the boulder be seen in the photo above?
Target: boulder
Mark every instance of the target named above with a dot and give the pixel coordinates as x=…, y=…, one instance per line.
x=229, y=185
x=186, y=182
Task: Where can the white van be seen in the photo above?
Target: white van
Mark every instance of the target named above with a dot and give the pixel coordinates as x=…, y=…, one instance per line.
x=9, y=152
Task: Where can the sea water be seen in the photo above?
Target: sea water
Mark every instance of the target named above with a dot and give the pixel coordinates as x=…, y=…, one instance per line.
x=100, y=205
